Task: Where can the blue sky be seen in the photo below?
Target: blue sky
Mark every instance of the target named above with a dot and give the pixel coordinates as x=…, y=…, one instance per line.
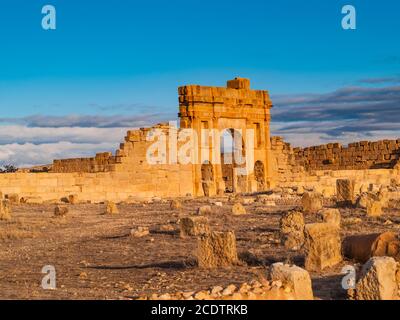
x=125, y=59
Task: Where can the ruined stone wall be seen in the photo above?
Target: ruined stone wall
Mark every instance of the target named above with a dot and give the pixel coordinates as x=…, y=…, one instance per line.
x=284, y=164
x=106, y=177
x=356, y=156
x=290, y=172
x=161, y=181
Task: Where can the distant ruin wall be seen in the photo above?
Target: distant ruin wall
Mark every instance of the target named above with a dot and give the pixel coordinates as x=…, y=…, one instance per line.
x=292, y=165
x=356, y=156
x=160, y=181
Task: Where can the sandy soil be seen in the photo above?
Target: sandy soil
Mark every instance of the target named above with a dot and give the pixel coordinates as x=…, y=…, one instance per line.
x=95, y=258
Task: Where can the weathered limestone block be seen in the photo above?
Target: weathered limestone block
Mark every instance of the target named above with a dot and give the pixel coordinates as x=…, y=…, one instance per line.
x=365, y=199
x=374, y=209
x=217, y=249
x=295, y=277
x=322, y=246
x=5, y=210
x=204, y=210
x=238, y=209
x=331, y=216
x=345, y=192
x=292, y=230
x=111, y=208
x=32, y=200
x=13, y=198
x=194, y=226
x=363, y=247
x=378, y=280
x=139, y=232
x=312, y=202
x=73, y=199
x=175, y=205
x=60, y=211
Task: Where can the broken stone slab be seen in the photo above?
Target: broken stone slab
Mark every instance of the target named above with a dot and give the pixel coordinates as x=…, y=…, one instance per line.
x=111, y=208
x=60, y=211
x=238, y=209
x=5, y=210
x=331, y=216
x=374, y=209
x=175, y=205
x=362, y=247
x=292, y=230
x=295, y=277
x=311, y=202
x=13, y=198
x=322, y=246
x=217, y=249
x=139, y=232
x=32, y=200
x=73, y=199
x=378, y=280
x=345, y=192
x=193, y=226
x=204, y=210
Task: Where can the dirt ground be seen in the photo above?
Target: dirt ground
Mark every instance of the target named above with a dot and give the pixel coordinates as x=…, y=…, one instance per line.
x=96, y=258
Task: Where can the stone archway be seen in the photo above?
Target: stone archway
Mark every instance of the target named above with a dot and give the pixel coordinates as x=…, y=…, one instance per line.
x=233, y=154
x=259, y=175
x=220, y=108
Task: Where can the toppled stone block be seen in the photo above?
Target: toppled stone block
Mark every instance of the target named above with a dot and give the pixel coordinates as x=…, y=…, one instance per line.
x=331, y=216
x=378, y=280
x=111, y=208
x=60, y=211
x=345, y=192
x=5, y=210
x=238, y=209
x=13, y=198
x=292, y=230
x=312, y=202
x=374, y=209
x=363, y=247
x=365, y=199
x=194, y=226
x=217, y=249
x=295, y=277
x=204, y=210
x=322, y=246
x=32, y=200
x=175, y=205
x=139, y=232
x=73, y=199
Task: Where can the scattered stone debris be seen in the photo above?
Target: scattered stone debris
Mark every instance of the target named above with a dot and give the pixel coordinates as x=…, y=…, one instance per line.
x=194, y=226
x=292, y=230
x=217, y=249
x=322, y=246
x=268, y=290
